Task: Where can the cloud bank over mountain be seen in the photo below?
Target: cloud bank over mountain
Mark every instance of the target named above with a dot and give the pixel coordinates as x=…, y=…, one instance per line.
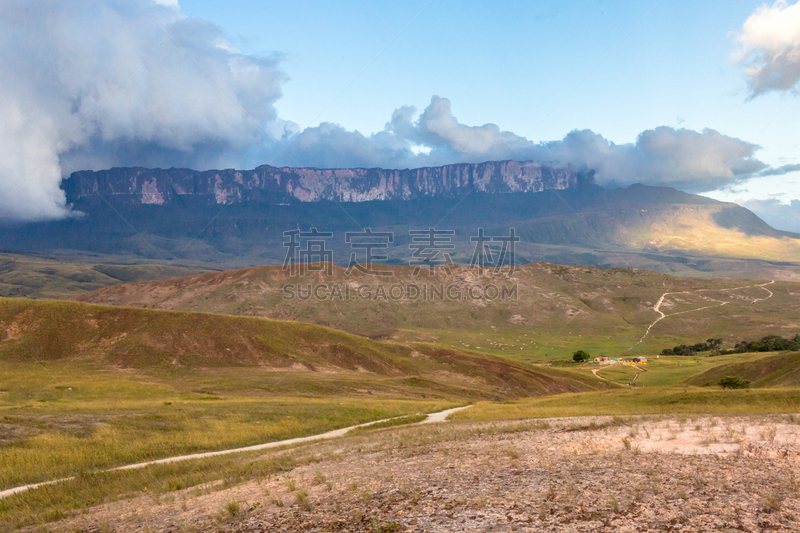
x=686, y=159
x=102, y=83
x=98, y=83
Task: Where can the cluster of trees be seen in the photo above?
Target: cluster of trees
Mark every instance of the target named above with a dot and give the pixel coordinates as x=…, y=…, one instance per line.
x=770, y=343
x=711, y=345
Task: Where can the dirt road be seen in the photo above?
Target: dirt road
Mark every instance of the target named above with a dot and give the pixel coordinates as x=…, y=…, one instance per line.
x=657, y=307
x=441, y=416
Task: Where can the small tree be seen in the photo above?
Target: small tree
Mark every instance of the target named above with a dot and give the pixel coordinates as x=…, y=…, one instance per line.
x=580, y=356
x=732, y=382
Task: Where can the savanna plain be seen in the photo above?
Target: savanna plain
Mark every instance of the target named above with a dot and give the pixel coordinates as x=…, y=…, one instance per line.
x=631, y=439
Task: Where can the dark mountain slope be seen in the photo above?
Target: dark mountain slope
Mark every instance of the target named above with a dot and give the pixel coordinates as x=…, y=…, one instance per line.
x=563, y=217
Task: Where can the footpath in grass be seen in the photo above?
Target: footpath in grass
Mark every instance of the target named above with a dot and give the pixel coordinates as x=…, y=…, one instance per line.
x=43, y=442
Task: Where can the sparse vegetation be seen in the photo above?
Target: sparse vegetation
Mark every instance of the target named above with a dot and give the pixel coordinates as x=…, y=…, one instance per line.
x=301, y=499
x=232, y=508
x=319, y=478
x=512, y=453
x=772, y=501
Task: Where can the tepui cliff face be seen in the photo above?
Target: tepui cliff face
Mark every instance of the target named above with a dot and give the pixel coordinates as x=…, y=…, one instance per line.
x=137, y=186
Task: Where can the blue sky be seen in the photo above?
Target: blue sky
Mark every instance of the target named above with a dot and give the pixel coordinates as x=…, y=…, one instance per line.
x=539, y=69
x=535, y=68
x=700, y=95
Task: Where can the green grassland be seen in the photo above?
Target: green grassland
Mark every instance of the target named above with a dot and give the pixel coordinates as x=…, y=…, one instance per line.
x=669, y=385
x=84, y=387
x=643, y=401
x=59, y=438
x=206, y=347
x=763, y=369
x=620, y=374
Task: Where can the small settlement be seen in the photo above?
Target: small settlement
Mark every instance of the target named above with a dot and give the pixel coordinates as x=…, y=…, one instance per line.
x=641, y=360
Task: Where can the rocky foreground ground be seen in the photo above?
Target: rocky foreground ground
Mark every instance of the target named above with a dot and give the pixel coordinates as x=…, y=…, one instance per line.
x=588, y=474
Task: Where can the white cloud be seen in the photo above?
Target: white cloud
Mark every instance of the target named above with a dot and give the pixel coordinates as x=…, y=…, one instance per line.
x=99, y=83
x=769, y=48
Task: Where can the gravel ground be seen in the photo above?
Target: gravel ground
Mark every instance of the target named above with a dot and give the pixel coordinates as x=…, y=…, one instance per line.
x=587, y=474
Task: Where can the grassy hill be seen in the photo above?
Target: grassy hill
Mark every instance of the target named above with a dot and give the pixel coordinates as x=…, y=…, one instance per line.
x=782, y=370
x=86, y=387
x=270, y=357
x=557, y=310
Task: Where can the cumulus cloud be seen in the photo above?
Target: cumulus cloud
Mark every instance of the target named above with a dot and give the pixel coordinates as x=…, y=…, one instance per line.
x=769, y=48
x=102, y=83
x=99, y=83
x=438, y=128
x=778, y=215
x=686, y=159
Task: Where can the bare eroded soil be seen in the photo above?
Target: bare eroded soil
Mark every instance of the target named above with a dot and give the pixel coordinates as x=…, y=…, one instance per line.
x=587, y=474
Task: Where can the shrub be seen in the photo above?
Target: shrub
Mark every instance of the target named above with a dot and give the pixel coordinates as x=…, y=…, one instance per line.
x=732, y=382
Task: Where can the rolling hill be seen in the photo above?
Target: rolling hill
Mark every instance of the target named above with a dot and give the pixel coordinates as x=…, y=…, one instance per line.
x=782, y=370
x=272, y=357
x=549, y=310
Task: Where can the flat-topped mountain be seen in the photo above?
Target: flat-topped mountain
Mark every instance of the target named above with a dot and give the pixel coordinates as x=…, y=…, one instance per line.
x=274, y=185
x=233, y=218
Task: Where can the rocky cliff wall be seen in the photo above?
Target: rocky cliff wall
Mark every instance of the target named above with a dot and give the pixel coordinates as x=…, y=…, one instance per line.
x=282, y=185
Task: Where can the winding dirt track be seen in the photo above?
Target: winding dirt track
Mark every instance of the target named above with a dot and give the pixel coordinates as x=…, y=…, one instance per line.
x=441, y=416
x=631, y=383
x=657, y=307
